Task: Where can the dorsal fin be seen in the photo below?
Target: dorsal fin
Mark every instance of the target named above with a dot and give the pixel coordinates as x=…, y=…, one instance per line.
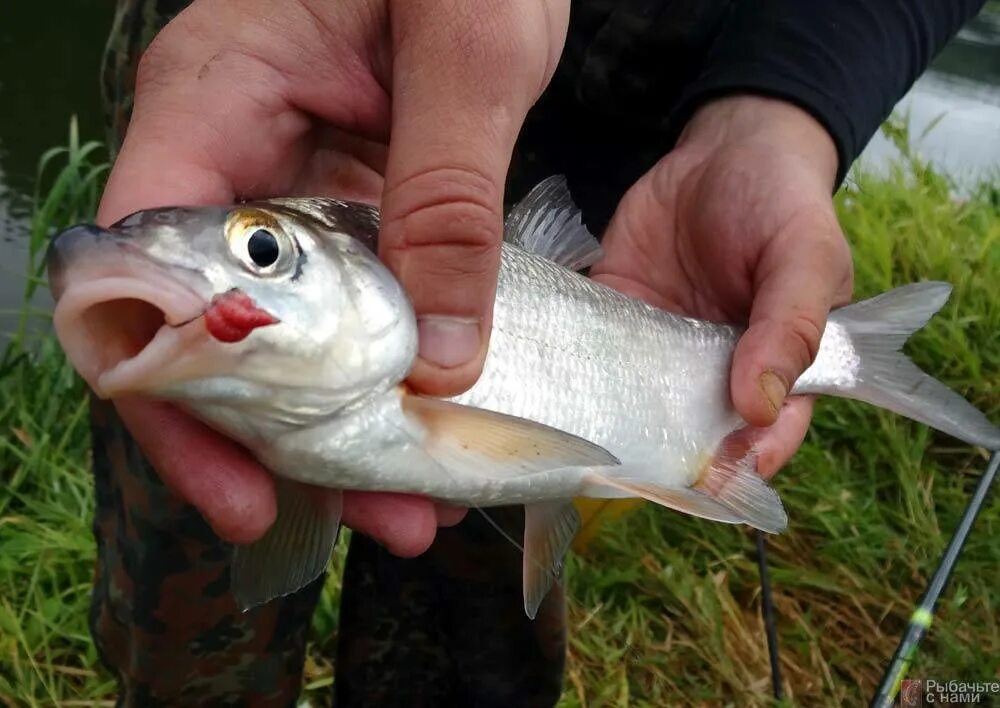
x=547, y=223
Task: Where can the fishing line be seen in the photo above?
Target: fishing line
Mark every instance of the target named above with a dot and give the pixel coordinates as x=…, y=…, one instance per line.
x=499, y=528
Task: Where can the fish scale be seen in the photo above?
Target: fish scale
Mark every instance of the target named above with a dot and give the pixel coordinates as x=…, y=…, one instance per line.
x=640, y=382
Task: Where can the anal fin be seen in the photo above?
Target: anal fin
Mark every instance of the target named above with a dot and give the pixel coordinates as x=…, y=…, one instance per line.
x=687, y=501
x=549, y=529
x=294, y=551
x=731, y=479
x=728, y=489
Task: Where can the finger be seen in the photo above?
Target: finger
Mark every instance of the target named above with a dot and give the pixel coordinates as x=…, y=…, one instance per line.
x=217, y=476
x=236, y=495
x=346, y=166
x=464, y=75
x=173, y=153
x=448, y=515
x=777, y=444
x=798, y=279
x=403, y=523
x=211, y=120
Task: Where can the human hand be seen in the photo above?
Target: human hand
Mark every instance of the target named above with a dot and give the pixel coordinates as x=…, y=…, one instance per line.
x=737, y=224
x=266, y=98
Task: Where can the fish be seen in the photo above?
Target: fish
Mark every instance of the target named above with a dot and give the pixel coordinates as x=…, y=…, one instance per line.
x=275, y=322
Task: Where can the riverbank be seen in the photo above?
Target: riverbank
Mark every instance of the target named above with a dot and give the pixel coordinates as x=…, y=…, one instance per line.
x=663, y=608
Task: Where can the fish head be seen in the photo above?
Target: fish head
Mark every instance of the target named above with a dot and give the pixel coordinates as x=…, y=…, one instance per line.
x=262, y=307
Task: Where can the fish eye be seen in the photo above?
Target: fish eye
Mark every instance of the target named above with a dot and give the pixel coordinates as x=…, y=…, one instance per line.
x=262, y=247
x=257, y=240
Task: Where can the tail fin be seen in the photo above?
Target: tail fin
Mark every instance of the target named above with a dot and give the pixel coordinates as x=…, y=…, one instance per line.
x=860, y=358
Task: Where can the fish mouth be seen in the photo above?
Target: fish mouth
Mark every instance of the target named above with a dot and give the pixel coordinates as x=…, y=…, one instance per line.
x=123, y=336
x=125, y=323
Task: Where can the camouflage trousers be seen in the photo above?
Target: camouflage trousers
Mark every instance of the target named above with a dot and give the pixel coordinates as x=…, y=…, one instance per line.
x=447, y=628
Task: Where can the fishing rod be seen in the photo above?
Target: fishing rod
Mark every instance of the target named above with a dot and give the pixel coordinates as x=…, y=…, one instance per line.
x=923, y=615
x=767, y=614
x=920, y=620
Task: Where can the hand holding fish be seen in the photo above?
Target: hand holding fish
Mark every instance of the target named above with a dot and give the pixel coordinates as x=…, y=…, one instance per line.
x=736, y=224
x=245, y=100
x=295, y=326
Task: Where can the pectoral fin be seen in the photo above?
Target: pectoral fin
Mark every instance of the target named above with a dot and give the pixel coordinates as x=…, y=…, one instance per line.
x=499, y=444
x=294, y=551
x=549, y=529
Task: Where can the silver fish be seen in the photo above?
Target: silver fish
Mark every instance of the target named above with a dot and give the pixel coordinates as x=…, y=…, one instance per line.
x=275, y=323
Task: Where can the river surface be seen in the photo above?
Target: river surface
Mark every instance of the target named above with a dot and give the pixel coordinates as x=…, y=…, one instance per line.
x=962, y=92
x=50, y=57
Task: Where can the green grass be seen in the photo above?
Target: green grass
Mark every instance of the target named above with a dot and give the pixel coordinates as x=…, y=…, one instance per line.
x=663, y=609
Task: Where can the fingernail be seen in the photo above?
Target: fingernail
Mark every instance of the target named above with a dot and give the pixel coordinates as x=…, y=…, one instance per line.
x=775, y=389
x=448, y=341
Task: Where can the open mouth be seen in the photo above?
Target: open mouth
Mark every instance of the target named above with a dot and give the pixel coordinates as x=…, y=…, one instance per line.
x=128, y=333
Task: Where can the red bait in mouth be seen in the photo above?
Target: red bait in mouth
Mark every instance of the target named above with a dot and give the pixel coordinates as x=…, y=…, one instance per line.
x=233, y=315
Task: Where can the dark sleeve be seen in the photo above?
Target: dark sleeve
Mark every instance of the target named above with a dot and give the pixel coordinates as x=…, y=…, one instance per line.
x=846, y=62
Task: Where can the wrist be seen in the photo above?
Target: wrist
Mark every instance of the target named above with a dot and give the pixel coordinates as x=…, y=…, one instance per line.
x=744, y=119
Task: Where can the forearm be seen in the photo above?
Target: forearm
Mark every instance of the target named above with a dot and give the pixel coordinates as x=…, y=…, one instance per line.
x=846, y=63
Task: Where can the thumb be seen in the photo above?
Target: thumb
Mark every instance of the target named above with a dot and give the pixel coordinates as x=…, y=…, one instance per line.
x=464, y=76
x=802, y=273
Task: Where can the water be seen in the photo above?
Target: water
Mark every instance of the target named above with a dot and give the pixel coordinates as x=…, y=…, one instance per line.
x=49, y=70
x=50, y=56
x=962, y=93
